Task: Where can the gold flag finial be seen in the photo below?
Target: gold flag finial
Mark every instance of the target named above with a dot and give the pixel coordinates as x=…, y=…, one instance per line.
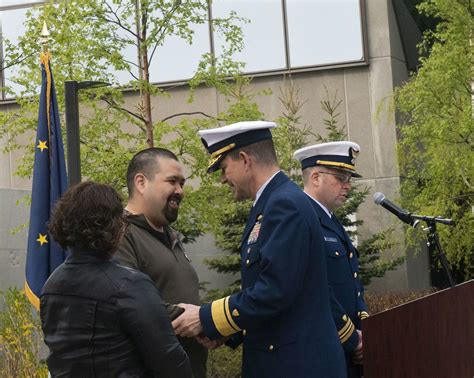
x=44, y=37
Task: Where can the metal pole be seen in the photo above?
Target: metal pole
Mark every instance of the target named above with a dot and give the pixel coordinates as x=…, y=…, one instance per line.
x=72, y=126
x=72, y=132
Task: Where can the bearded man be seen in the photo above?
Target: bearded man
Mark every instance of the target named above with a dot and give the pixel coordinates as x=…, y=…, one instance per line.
x=155, y=183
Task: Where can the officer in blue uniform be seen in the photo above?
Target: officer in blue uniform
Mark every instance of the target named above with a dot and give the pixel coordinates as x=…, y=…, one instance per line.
x=282, y=315
x=327, y=172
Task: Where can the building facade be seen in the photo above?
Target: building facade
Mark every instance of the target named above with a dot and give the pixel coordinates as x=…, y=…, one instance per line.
x=364, y=83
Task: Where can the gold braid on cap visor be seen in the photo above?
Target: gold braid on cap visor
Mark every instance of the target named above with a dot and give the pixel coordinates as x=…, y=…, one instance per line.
x=335, y=164
x=216, y=155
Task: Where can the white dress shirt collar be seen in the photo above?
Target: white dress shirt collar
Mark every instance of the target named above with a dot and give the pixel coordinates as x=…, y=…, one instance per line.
x=262, y=188
x=322, y=206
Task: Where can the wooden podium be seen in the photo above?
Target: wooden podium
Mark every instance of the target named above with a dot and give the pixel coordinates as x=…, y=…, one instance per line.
x=430, y=337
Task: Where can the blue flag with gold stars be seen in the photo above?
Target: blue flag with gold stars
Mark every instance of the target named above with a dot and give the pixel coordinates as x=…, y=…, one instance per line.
x=49, y=183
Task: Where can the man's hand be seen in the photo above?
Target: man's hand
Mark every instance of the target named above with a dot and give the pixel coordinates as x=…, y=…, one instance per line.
x=188, y=323
x=210, y=344
x=358, y=353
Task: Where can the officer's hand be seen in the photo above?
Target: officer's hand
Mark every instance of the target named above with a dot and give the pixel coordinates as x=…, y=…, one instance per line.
x=358, y=356
x=188, y=323
x=208, y=343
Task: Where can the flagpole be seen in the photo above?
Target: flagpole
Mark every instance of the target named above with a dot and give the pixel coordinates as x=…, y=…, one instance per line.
x=44, y=37
x=49, y=182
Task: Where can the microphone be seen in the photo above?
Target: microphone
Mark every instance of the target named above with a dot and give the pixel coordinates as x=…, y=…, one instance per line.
x=402, y=214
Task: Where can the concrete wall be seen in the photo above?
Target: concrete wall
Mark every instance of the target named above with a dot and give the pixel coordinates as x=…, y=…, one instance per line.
x=366, y=93
x=12, y=245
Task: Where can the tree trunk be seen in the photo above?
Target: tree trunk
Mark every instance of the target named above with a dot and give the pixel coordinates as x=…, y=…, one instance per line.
x=142, y=22
x=146, y=100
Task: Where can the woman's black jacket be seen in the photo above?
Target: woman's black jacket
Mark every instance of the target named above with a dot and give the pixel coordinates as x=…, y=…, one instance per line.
x=101, y=319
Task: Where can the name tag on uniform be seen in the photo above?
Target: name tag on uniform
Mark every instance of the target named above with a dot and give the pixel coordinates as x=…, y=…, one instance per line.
x=329, y=239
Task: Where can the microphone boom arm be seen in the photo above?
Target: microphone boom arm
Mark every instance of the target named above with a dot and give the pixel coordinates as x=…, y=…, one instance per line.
x=426, y=218
x=413, y=220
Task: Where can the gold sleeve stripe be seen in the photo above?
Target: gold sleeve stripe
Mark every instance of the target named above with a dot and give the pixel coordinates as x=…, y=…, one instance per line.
x=346, y=331
x=348, y=334
x=229, y=315
x=363, y=315
x=220, y=316
x=346, y=326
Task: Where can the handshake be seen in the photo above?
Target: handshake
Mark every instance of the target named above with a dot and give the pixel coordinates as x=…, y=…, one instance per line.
x=188, y=324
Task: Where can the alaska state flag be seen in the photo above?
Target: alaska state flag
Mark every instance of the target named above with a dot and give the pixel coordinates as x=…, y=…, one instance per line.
x=43, y=255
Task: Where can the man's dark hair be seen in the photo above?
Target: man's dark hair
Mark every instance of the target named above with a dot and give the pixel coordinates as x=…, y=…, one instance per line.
x=263, y=152
x=89, y=216
x=146, y=162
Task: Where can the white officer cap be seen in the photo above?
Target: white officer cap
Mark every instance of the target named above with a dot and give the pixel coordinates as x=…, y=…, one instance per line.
x=338, y=155
x=222, y=140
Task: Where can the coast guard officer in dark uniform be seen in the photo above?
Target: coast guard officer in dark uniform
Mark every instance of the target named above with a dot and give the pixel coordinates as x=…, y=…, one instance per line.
x=282, y=315
x=327, y=172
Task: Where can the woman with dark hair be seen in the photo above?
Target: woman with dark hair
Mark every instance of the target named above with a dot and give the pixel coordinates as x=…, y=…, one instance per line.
x=100, y=318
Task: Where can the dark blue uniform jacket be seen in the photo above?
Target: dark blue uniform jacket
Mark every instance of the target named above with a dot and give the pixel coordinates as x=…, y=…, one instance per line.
x=347, y=293
x=283, y=313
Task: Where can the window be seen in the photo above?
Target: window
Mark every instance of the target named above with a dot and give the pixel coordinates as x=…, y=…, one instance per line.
x=176, y=59
x=263, y=36
x=11, y=3
x=12, y=27
x=280, y=35
x=323, y=32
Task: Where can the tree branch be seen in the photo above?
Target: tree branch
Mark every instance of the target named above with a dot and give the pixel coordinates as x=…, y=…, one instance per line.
x=114, y=105
x=117, y=22
x=165, y=19
x=15, y=62
x=189, y=113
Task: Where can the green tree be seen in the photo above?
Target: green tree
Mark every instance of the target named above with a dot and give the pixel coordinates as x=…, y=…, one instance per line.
x=436, y=146
x=20, y=337
x=371, y=262
x=423, y=21
x=88, y=38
